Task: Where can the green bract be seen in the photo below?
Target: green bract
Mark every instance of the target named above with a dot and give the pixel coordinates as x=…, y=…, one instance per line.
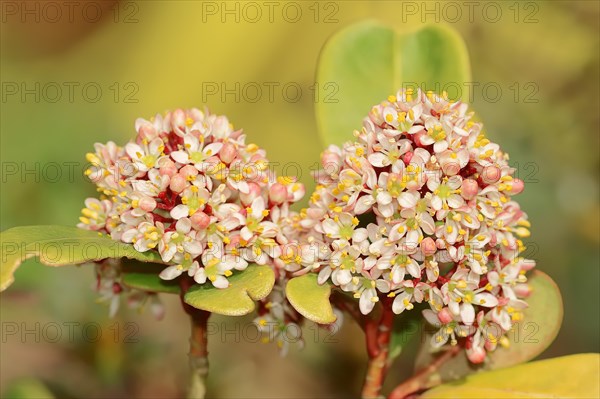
x=369, y=61
x=245, y=287
x=310, y=299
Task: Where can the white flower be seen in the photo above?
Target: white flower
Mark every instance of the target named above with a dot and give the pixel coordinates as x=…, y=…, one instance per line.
x=146, y=155
x=217, y=266
x=407, y=294
x=195, y=152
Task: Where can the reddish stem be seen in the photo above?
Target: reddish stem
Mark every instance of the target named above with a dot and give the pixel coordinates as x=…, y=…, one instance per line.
x=422, y=379
x=378, y=333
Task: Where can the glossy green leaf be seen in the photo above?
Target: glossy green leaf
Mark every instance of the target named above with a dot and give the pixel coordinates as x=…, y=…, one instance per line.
x=310, y=299
x=574, y=376
x=245, y=287
x=529, y=338
x=60, y=246
x=369, y=61
x=144, y=276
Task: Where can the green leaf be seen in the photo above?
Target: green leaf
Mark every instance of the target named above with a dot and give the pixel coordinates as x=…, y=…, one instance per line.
x=60, y=246
x=245, y=287
x=574, y=376
x=404, y=331
x=27, y=388
x=529, y=338
x=310, y=299
x=369, y=61
x=144, y=276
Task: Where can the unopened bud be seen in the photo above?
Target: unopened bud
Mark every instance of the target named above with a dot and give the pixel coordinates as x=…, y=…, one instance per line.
x=178, y=119
x=490, y=174
x=330, y=160
x=469, y=189
x=147, y=204
x=277, y=193
x=253, y=193
x=523, y=290
x=200, y=220
x=228, y=153
x=476, y=355
x=168, y=168
x=428, y=246
x=445, y=316
x=178, y=183
x=517, y=186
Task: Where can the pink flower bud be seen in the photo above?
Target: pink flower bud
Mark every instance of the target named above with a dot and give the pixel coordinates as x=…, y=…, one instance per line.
x=527, y=264
x=167, y=168
x=178, y=183
x=147, y=132
x=440, y=243
x=428, y=246
x=490, y=174
x=330, y=160
x=517, y=186
x=253, y=192
x=523, y=290
x=469, y=189
x=476, y=354
x=200, y=220
x=148, y=204
x=188, y=172
x=228, y=153
x=445, y=316
x=407, y=157
x=178, y=119
x=277, y=193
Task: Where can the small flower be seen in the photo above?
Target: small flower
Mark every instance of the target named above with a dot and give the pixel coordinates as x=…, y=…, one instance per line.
x=218, y=266
x=146, y=155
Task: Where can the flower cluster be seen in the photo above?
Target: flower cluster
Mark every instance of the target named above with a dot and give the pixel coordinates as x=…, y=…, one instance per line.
x=190, y=188
x=418, y=207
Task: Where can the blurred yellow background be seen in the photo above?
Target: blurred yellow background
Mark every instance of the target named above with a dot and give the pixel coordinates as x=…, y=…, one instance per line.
x=80, y=73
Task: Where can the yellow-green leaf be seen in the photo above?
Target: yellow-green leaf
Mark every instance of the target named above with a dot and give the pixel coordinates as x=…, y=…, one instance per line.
x=310, y=299
x=530, y=337
x=60, y=246
x=369, y=61
x=575, y=376
x=245, y=287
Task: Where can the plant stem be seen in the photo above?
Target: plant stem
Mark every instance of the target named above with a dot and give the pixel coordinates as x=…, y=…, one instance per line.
x=422, y=379
x=378, y=334
x=198, y=355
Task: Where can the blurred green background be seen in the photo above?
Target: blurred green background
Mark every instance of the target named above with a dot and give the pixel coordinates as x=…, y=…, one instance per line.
x=535, y=85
